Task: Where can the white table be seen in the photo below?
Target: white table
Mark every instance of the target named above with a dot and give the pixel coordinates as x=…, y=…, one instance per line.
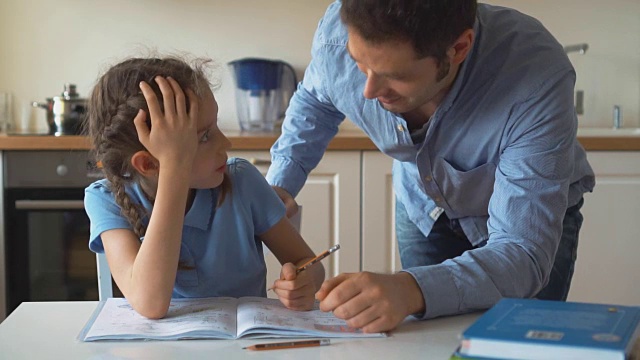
x=48, y=330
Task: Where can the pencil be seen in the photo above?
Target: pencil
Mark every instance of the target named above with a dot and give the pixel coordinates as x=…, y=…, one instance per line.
x=331, y=250
x=321, y=256
x=288, y=345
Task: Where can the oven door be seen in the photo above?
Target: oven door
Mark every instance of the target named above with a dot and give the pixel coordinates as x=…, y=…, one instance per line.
x=48, y=258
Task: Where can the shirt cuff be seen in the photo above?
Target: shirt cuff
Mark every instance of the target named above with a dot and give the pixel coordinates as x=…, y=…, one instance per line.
x=286, y=174
x=441, y=296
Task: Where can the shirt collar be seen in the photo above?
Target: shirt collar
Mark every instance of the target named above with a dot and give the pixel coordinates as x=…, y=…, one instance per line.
x=461, y=76
x=201, y=212
x=199, y=216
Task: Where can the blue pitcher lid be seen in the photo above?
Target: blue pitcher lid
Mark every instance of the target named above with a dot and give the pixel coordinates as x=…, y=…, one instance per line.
x=257, y=73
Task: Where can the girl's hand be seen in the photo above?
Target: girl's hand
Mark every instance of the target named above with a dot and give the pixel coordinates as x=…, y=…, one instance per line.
x=172, y=138
x=295, y=292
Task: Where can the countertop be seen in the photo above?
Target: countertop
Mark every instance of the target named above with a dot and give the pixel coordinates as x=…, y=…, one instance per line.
x=48, y=330
x=345, y=140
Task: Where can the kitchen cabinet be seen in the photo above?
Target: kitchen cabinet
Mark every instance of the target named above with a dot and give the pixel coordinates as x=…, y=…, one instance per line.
x=609, y=246
x=331, y=209
x=348, y=199
x=379, y=245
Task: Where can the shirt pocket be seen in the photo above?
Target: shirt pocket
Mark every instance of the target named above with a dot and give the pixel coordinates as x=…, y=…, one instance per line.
x=187, y=275
x=467, y=192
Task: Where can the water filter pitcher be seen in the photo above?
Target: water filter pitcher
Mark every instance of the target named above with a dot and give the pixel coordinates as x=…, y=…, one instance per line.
x=263, y=90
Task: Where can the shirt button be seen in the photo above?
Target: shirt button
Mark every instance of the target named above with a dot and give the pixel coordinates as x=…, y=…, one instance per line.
x=428, y=178
x=438, y=199
x=400, y=128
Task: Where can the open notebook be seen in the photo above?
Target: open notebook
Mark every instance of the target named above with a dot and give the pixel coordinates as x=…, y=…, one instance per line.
x=214, y=318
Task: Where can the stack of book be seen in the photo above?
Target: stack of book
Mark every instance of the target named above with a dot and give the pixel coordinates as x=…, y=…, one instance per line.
x=542, y=329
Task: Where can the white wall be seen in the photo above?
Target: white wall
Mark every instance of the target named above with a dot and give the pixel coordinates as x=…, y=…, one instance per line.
x=609, y=72
x=44, y=44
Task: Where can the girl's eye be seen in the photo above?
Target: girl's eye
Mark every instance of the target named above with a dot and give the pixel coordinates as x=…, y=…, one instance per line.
x=205, y=136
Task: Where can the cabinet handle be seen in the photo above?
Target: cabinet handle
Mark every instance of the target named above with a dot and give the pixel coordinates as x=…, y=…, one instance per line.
x=260, y=162
x=49, y=204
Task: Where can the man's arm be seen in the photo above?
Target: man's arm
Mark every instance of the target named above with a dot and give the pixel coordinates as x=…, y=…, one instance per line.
x=526, y=210
x=526, y=213
x=310, y=123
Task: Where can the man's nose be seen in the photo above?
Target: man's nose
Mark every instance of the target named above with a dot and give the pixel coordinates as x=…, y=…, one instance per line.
x=373, y=87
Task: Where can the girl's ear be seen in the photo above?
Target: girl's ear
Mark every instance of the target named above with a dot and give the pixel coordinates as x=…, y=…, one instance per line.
x=145, y=164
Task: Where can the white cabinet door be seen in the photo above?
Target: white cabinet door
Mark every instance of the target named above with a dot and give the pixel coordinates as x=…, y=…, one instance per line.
x=379, y=245
x=608, y=261
x=331, y=209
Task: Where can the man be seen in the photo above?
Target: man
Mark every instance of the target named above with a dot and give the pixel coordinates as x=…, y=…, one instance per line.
x=475, y=105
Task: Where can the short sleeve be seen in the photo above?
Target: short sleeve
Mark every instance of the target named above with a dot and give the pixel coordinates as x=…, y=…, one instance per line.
x=104, y=214
x=253, y=190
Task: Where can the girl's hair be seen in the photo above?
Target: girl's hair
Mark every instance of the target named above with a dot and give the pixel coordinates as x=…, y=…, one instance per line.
x=114, y=103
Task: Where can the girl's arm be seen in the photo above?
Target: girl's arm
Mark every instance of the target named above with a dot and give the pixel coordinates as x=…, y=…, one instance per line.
x=146, y=272
x=295, y=291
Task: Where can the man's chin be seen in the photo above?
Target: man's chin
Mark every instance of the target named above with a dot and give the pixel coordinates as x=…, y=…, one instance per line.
x=394, y=107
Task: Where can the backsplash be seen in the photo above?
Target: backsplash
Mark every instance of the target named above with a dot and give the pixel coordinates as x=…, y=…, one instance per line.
x=46, y=44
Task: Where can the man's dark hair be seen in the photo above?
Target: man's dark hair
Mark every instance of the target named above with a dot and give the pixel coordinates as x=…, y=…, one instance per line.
x=430, y=25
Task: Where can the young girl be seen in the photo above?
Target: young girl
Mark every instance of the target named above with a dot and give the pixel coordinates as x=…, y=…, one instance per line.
x=174, y=216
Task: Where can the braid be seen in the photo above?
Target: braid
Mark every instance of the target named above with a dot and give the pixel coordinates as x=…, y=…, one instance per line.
x=114, y=102
x=132, y=211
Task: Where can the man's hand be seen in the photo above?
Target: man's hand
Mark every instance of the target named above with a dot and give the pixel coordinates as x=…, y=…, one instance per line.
x=289, y=202
x=373, y=302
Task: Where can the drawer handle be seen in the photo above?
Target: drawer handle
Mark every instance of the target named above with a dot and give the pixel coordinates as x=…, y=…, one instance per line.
x=260, y=162
x=49, y=204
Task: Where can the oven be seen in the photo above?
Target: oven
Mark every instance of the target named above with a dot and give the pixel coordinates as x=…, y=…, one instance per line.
x=46, y=228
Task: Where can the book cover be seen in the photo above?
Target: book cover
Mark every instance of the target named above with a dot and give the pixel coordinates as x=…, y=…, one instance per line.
x=543, y=329
x=214, y=318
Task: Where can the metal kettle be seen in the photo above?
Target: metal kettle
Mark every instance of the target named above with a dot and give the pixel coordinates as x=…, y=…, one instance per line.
x=65, y=112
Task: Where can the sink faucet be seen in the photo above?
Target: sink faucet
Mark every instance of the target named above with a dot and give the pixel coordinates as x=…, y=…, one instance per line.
x=579, y=48
x=617, y=117
x=579, y=97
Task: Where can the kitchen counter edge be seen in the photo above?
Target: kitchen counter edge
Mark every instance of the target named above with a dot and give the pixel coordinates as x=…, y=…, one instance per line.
x=345, y=140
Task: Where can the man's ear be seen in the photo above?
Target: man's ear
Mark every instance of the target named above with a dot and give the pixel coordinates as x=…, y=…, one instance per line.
x=461, y=47
x=145, y=164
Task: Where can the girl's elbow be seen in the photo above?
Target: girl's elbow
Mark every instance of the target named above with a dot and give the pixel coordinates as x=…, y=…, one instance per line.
x=154, y=314
x=151, y=308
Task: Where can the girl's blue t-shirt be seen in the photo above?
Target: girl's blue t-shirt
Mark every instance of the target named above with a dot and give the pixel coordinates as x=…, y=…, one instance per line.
x=220, y=254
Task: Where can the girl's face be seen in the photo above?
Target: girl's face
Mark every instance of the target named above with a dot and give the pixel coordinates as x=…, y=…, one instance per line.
x=210, y=162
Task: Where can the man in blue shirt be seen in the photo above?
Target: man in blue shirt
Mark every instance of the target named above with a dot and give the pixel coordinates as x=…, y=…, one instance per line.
x=475, y=105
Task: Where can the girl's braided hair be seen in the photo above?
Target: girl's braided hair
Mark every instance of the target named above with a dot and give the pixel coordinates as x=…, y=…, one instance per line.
x=113, y=104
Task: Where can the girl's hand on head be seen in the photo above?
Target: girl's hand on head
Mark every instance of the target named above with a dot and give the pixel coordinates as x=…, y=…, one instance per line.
x=172, y=138
x=296, y=292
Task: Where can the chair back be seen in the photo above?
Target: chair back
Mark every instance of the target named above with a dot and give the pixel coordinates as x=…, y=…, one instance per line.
x=105, y=290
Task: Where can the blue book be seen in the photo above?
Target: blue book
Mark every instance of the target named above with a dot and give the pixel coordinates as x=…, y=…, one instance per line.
x=543, y=329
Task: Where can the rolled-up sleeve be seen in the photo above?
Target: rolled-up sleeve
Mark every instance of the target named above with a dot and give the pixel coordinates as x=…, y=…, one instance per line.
x=311, y=121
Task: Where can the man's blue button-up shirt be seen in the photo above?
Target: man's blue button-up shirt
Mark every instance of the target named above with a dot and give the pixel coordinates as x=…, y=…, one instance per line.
x=500, y=153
